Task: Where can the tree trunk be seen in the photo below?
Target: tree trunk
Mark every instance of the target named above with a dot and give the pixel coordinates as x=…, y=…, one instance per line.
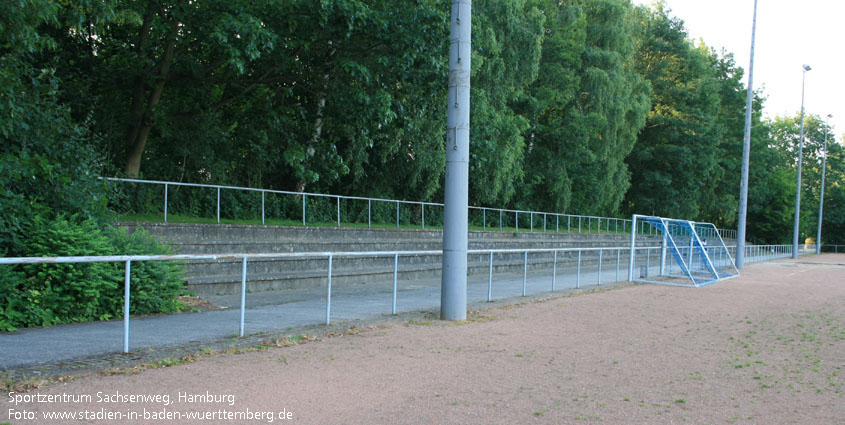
x=136, y=109
x=311, y=148
x=141, y=120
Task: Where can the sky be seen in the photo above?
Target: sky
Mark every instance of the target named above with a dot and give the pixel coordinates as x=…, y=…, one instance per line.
x=789, y=34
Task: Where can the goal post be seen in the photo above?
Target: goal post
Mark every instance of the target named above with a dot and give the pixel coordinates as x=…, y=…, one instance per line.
x=677, y=252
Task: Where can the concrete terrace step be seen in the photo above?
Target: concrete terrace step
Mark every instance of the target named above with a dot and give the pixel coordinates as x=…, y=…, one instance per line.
x=210, y=277
x=360, y=271
x=267, y=247
x=197, y=233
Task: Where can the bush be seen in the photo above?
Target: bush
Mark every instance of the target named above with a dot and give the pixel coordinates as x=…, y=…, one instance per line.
x=155, y=285
x=50, y=294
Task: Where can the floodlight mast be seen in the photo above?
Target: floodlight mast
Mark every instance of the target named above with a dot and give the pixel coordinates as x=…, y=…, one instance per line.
x=746, y=153
x=453, y=289
x=800, y=161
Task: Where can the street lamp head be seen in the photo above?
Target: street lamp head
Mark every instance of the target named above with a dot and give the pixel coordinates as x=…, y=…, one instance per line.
x=807, y=68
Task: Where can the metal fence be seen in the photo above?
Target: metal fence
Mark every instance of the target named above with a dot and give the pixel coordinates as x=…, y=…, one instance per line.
x=588, y=264
x=758, y=253
x=490, y=218
x=649, y=261
x=833, y=248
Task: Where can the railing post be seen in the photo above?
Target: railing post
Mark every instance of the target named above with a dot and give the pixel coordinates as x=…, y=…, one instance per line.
x=544, y=222
x=329, y=294
x=490, y=279
x=516, y=214
x=618, y=258
x=578, y=272
x=484, y=218
x=557, y=223
x=218, y=205
x=554, y=271
x=243, y=296
x=500, y=220
x=524, y=272
x=598, y=279
x=303, y=209
x=579, y=224
x=395, y=279
x=369, y=213
x=397, y=214
x=262, y=207
x=423, y=216
x=338, y=212
x=165, y=202
x=531, y=219
x=633, y=249
x=126, y=284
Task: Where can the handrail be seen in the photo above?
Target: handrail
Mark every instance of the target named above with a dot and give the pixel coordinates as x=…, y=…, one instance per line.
x=731, y=234
x=128, y=259
x=756, y=253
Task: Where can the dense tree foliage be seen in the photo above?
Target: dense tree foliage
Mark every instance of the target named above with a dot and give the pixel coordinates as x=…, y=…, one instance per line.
x=675, y=163
x=586, y=110
x=50, y=200
x=578, y=106
x=785, y=136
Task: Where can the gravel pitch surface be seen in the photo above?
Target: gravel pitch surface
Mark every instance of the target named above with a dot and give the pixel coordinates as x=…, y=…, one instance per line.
x=766, y=348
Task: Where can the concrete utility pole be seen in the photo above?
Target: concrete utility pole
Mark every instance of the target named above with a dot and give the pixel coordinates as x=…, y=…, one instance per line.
x=453, y=290
x=800, y=161
x=821, y=194
x=746, y=153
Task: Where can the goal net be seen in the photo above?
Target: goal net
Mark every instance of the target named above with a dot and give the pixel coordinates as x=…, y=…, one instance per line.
x=678, y=252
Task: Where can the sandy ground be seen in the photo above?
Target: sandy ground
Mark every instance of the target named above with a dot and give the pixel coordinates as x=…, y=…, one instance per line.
x=766, y=348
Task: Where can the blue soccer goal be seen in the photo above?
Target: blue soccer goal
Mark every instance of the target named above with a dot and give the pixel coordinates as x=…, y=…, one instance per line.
x=678, y=252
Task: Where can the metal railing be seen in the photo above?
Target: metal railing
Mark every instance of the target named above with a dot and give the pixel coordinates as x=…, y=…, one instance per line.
x=760, y=253
x=598, y=258
x=832, y=248
x=577, y=253
x=491, y=218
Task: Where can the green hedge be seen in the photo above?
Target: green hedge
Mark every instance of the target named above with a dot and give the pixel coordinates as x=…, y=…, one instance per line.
x=51, y=294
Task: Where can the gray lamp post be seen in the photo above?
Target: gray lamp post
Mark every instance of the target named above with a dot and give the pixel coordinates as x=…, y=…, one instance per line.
x=746, y=153
x=821, y=193
x=800, y=160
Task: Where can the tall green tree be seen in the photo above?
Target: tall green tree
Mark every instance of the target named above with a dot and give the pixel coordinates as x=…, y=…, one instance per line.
x=280, y=94
x=507, y=39
x=722, y=204
x=588, y=106
x=771, y=190
x=48, y=163
x=675, y=161
x=833, y=228
x=785, y=138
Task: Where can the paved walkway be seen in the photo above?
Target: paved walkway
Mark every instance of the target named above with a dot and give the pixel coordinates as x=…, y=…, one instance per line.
x=269, y=311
